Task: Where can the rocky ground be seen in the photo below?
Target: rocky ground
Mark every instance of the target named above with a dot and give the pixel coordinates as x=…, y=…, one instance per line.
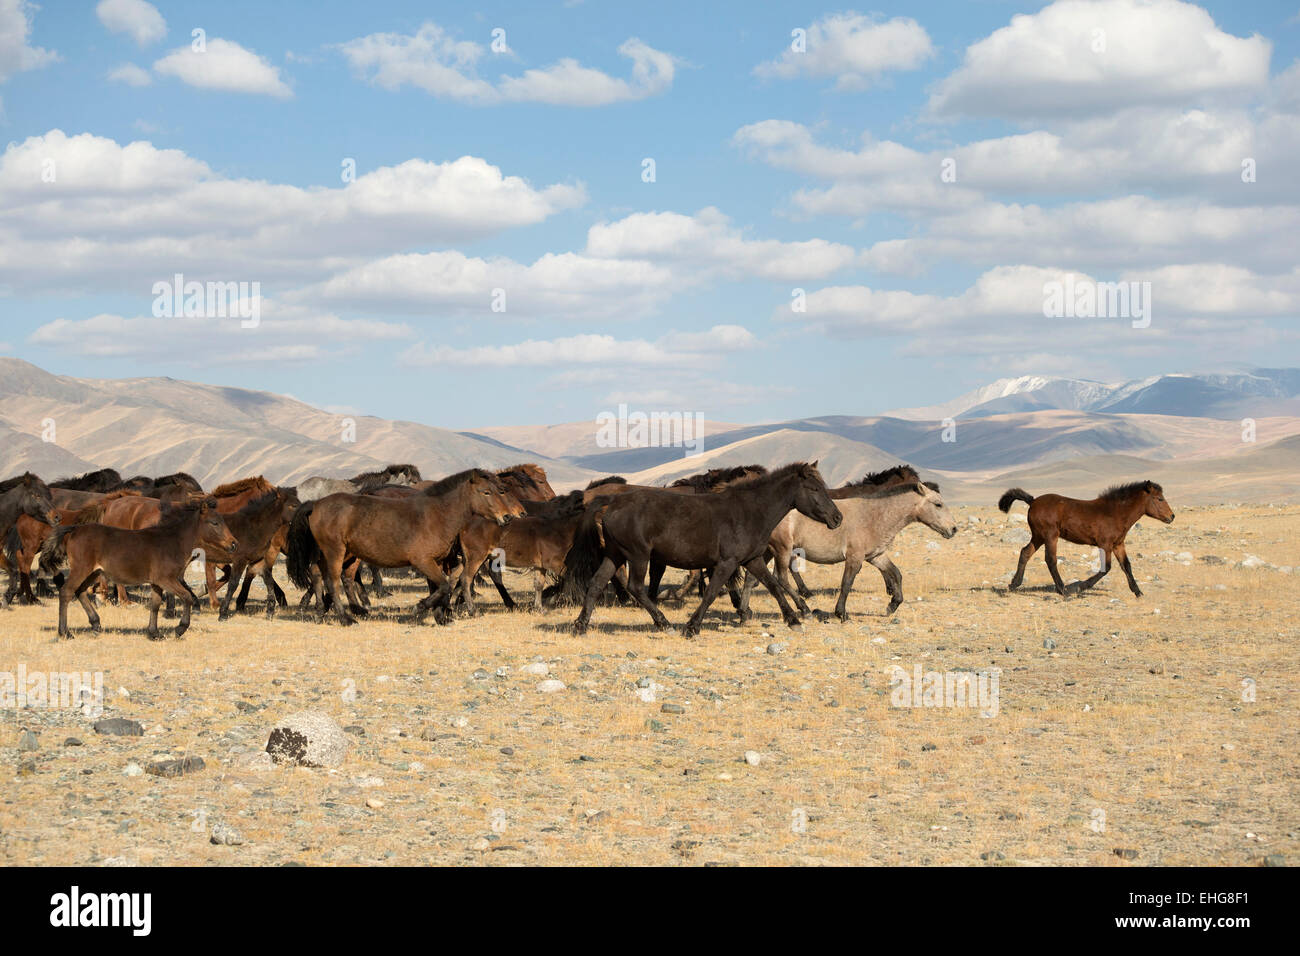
x=1127, y=732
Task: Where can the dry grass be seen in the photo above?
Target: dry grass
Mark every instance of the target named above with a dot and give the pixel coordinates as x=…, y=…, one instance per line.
x=1138, y=712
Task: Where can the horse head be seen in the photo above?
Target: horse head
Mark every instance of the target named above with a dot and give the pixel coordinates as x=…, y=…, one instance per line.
x=1156, y=505
x=813, y=500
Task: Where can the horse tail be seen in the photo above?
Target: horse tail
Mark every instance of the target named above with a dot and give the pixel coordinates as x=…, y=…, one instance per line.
x=301, y=550
x=13, y=545
x=1013, y=495
x=54, y=552
x=583, y=559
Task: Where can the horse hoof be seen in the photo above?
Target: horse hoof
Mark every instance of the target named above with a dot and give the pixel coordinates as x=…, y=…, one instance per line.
x=153, y=635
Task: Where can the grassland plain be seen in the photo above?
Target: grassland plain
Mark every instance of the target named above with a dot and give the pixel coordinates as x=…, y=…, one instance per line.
x=1122, y=724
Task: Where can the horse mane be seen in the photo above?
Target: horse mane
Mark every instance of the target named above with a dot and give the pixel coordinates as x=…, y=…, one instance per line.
x=1124, y=492
x=770, y=476
x=369, y=479
x=522, y=475
x=11, y=483
x=708, y=480
x=175, y=513
x=902, y=472
x=611, y=480
x=103, y=479
x=564, y=506
x=451, y=482
x=242, y=485
x=179, y=478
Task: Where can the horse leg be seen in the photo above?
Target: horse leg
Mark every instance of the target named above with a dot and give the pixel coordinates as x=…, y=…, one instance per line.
x=210, y=582
x=273, y=592
x=657, y=569
x=1027, y=552
x=495, y=574
x=377, y=583
x=783, y=570
x=83, y=596
x=539, y=585
x=155, y=602
x=1122, y=554
x=893, y=581
x=758, y=570
x=597, y=585
x=351, y=586
x=636, y=575
x=1049, y=555
x=236, y=572
x=440, y=590
x=722, y=573
x=804, y=590
x=333, y=575
x=188, y=600
x=1080, y=586
x=852, y=564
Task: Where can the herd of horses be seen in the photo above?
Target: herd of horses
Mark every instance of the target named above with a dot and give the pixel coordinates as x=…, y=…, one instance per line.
x=611, y=541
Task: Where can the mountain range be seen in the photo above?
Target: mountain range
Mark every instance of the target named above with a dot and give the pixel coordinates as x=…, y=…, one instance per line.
x=1067, y=435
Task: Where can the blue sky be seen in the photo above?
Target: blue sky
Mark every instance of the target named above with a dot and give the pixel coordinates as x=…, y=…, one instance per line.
x=1104, y=140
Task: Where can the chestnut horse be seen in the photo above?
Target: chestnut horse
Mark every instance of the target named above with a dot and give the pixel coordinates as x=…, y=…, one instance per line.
x=417, y=531
x=23, y=495
x=156, y=556
x=716, y=532
x=1102, y=522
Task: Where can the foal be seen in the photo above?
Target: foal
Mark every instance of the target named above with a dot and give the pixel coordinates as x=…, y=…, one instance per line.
x=157, y=556
x=1102, y=522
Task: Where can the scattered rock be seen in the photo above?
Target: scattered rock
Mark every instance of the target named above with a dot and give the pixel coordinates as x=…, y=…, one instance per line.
x=753, y=758
x=356, y=730
x=175, y=768
x=310, y=739
x=223, y=835
x=119, y=727
x=1125, y=853
x=72, y=742
x=27, y=742
x=777, y=647
x=1275, y=859
x=550, y=687
x=672, y=709
x=536, y=668
x=992, y=855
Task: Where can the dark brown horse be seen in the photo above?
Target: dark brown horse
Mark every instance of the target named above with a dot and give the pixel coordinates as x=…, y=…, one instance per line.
x=156, y=556
x=104, y=480
x=255, y=526
x=716, y=532
x=22, y=495
x=23, y=546
x=1102, y=522
x=417, y=531
x=157, y=487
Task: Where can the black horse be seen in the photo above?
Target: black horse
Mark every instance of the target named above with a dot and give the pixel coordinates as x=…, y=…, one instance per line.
x=718, y=532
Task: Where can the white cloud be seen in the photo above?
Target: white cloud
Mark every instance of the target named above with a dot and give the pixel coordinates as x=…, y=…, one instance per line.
x=431, y=60
x=140, y=19
x=224, y=65
x=854, y=49
x=565, y=285
x=604, y=350
x=286, y=334
x=15, y=30
x=707, y=241
x=131, y=75
x=120, y=216
x=1086, y=57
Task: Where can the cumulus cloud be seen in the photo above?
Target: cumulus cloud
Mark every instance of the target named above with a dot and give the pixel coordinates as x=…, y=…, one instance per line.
x=226, y=66
x=433, y=61
x=139, y=19
x=854, y=49
x=16, y=53
x=1086, y=57
x=122, y=215
x=707, y=241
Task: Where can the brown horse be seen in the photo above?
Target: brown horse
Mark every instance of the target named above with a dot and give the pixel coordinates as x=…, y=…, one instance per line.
x=1102, y=522
x=716, y=532
x=255, y=526
x=23, y=495
x=156, y=556
x=540, y=541
x=23, y=546
x=417, y=531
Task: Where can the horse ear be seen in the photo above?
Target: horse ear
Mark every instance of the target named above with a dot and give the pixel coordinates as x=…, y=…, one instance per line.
x=816, y=463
